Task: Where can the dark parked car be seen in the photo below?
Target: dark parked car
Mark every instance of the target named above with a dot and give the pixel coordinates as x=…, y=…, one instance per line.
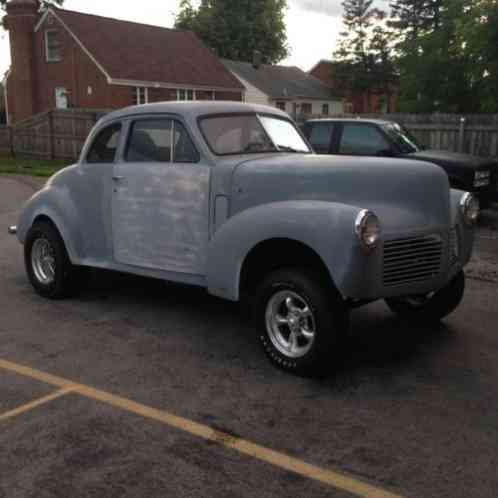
x=371, y=137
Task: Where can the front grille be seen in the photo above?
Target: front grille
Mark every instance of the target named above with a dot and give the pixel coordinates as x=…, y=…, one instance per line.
x=412, y=259
x=453, y=245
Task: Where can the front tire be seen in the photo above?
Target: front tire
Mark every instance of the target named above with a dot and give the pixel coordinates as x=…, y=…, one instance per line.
x=47, y=263
x=432, y=307
x=301, y=321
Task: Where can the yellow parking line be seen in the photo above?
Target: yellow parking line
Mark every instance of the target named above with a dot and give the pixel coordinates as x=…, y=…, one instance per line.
x=281, y=460
x=34, y=404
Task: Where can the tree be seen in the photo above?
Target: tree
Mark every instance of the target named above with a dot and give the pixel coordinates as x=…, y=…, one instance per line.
x=364, y=60
x=236, y=29
x=415, y=17
x=477, y=34
x=445, y=62
x=43, y=3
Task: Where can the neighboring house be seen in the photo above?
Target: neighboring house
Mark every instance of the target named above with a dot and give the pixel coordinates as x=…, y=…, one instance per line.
x=65, y=59
x=373, y=101
x=288, y=88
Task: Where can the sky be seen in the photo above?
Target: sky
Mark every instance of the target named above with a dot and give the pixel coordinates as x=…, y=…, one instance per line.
x=313, y=26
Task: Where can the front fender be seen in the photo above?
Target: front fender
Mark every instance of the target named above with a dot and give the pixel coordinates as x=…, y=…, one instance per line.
x=325, y=227
x=56, y=204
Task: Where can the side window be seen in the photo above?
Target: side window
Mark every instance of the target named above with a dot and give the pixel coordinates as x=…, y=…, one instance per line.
x=150, y=141
x=362, y=140
x=103, y=149
x=184, y=150
x=321, y=136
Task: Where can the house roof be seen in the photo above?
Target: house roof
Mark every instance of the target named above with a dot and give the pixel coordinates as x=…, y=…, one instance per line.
x=324, y=62
x=282, y=82
x=138, y=52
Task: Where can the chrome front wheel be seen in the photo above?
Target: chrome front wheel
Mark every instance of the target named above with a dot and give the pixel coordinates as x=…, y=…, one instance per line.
x=301, y=320
x=290, y=323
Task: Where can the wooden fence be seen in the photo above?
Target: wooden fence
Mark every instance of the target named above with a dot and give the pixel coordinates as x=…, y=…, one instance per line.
x=473, y=134
x=58, y=134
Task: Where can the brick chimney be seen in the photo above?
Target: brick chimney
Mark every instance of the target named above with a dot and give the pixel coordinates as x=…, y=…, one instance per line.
x=21, y=19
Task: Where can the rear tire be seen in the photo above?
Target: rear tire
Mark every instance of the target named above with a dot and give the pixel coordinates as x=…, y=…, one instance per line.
x=431, y=308
x=47, y=263
x=301, y=322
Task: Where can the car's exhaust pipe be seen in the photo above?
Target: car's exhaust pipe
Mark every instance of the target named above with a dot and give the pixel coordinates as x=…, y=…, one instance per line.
x=13, y=230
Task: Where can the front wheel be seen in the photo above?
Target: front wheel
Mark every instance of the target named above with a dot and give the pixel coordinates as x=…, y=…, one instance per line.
x=301, y=321
x=430, y=307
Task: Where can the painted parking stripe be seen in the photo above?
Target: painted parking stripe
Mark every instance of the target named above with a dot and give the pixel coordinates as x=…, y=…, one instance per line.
x=34, y=404
x=281, y=460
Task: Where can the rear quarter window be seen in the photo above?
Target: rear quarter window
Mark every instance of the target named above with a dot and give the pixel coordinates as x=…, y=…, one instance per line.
x=104, y=147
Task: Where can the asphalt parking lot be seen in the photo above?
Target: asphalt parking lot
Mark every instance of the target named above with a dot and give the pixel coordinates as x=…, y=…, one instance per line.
x=138, y=388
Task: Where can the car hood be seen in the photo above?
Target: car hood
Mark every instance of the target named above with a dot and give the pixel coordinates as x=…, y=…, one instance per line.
x=453, y=159
x=406, y=195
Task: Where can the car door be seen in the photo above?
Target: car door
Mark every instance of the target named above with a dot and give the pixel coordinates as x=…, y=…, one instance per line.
x=160, y=208
x=363, y=139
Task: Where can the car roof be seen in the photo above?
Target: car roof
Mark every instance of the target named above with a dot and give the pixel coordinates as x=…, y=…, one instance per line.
x=350, y=120
x=193, y=109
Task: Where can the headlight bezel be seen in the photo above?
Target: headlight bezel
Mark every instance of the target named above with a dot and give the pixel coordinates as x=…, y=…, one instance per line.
x=467, y=202
x=364, y=218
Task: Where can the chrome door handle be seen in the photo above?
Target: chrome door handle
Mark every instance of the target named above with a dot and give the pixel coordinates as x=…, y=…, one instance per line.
x=118, y=178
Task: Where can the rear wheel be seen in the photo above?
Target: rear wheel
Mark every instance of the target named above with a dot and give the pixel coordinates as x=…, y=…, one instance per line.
x=47, y=263
x=431, y=307
x=301, y=322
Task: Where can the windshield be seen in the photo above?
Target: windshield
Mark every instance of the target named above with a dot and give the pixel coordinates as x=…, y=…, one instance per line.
x=406, y=142
x=251, y=134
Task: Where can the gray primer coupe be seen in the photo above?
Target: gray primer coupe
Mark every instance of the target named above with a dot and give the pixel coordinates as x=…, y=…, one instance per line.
x=229, y=197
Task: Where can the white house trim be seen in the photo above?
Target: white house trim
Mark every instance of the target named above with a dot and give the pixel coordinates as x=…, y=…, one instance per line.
x=42, y=20
x=172, y=86
x=75, y=38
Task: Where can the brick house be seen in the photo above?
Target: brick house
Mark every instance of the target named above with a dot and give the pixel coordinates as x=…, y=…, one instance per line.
x=63, y=59
x=374, y=101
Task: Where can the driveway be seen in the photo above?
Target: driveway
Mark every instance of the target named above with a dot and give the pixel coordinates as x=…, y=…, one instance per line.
x=138, y=388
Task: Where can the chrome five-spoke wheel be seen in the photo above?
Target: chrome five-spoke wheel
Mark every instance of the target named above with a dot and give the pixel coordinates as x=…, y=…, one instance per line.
x=290, y=324
x=43, y=261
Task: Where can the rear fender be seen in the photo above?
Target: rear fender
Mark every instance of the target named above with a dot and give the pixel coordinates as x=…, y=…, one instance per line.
x=56, y=205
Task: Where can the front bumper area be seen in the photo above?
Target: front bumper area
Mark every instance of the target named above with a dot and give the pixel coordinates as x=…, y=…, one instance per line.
x=410, y=264
x=12, y=230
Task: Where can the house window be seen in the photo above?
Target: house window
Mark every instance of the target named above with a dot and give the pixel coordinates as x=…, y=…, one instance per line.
x=185, y=94
x=140, y=95
x=281, y=106
x=305, y=108
x=53, y=46
x=325, y=109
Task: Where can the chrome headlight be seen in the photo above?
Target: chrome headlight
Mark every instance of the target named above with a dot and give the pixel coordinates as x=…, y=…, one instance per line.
x=367, y=228
x=482, y=178
x=469, y=204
